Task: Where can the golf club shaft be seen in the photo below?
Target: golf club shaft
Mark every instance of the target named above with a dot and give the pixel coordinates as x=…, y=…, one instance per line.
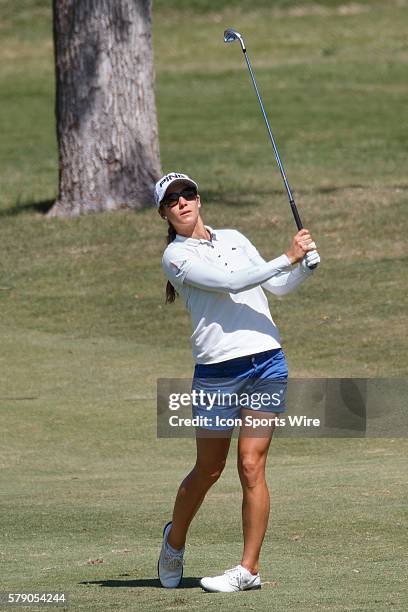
x=275, y=147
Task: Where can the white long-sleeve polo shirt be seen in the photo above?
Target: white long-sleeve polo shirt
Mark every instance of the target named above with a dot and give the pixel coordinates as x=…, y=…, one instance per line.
x=220, y=281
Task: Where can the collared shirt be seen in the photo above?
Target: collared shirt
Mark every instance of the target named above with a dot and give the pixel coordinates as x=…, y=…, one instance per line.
x=220, y=282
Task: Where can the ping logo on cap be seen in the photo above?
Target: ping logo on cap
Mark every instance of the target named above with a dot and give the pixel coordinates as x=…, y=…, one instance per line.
x=171, y=177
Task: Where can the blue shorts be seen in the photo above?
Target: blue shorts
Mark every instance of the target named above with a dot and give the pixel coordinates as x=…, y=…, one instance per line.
x=255, y=382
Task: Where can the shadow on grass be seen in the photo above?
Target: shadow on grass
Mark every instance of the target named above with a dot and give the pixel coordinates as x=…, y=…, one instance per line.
x=237, y=198
x=187, y=583
x=19, y=209
x=245, y=197
x=335, y=188
x=240, y=198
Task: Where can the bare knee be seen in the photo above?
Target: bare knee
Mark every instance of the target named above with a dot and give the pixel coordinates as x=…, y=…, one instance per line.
x=251, y=470
x=209, y=471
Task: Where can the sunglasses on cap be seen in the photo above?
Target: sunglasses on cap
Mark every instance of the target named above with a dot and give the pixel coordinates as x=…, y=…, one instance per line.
x=189, y=193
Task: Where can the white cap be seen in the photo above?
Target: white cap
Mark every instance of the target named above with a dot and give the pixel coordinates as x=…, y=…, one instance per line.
x=167, y=180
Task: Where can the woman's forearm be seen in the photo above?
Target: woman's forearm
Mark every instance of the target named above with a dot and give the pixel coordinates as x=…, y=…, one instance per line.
x=209, y=277
x=287, y=281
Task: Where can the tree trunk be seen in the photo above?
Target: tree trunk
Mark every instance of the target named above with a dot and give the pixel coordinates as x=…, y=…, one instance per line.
x=105, y=108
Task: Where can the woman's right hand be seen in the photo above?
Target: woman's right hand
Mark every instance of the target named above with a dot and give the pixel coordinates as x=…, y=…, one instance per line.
x=301, y=244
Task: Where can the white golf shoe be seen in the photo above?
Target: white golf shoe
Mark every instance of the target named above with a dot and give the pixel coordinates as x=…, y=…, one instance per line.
x=170, y=564
x=236, y=579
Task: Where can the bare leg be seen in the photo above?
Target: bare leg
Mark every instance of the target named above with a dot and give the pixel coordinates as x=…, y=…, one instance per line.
x=252, y=455
x=211, y=457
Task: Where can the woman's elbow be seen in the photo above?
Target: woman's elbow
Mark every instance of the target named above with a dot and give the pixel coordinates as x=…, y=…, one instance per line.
x=233, y=287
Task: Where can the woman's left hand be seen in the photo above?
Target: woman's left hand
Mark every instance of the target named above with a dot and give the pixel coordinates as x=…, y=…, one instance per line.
x=311, y=260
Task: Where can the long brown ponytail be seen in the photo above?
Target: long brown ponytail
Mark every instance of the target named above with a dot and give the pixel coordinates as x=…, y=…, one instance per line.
x=170, y=291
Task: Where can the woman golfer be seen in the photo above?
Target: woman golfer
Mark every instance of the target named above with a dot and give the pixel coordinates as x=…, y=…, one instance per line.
x=236, y=346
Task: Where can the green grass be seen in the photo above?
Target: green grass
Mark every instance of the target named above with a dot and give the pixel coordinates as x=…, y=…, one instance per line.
x=85, y=332
x=209, y=7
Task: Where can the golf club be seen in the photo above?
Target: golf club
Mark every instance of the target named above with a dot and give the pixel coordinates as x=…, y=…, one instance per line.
x=231, y=35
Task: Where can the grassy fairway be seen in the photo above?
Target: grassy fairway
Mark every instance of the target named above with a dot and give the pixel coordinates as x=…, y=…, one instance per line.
x=85, y=333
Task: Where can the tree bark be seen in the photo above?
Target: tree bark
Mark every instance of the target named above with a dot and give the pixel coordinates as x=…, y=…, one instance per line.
x=105, y=108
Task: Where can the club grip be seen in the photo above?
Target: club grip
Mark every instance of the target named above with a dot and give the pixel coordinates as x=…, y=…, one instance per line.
x=296, y=214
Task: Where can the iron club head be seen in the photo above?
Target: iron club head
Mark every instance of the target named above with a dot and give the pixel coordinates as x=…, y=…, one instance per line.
x=231, y=35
